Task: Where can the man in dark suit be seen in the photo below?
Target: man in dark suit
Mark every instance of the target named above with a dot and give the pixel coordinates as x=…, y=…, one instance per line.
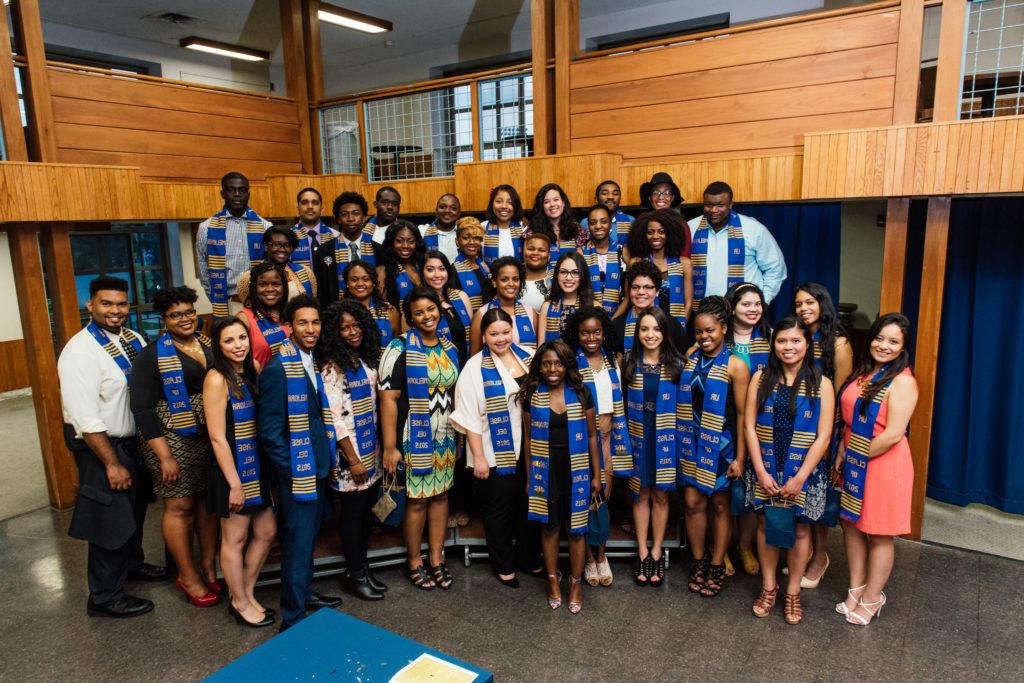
x=301, y=518
x=350, y=244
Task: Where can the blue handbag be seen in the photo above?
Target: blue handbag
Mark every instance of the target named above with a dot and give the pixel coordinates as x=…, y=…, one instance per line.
x=780, y=524
x=738, y=492
x=598, y=525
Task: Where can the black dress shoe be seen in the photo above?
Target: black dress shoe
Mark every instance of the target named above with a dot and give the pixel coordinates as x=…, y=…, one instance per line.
x=375, y=583
x=120, y=608
x=267, y=620
x=360, y=587
x=315, y=601
x=149, y=572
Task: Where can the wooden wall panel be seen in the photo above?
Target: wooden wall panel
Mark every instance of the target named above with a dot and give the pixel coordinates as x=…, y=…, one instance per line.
x=285, y=188
x=964, y=157
x=746, y=92
x=578, y=174
x=774, y=177
x=13, y=365
x=418, y=196
x=171, y=131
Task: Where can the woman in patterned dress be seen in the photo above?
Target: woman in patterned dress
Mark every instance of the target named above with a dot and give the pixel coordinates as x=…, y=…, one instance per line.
x=426, y=493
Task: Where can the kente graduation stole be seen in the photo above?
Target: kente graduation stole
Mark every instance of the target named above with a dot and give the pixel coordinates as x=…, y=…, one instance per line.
x=492, y=241
x=216, y=253
x=699, y=256
x=496, y=401
x=666, y=424
x=855, y=465
x=114, y=350
x=805, y=430
x=564, y=247
x=303, y=254
x=274, y=333
x=701, y=444
x=183, y=421
x=371, y=227
x=443, y=328
x=540, y=459
x=622, y=458
x=404, y=282
x=630, y=331
x=303, y=461
x=607, y=285
x=247, y=461
x=816, y=348
x=361, y=389
x=303, y=276
x=343, y=256
x=383, y=320
x=757, y=351
x=469, y=279
x=552, y=323
x=527, y=335
x=622, y=224
x=418, y=385
x=430, y=236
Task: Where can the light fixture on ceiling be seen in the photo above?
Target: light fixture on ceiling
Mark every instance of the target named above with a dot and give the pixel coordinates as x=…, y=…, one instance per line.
x=225, y=49
x=353, y=20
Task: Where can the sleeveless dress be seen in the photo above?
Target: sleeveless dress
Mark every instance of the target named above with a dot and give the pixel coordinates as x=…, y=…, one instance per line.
x=889, y=482
x=816, y=488
x=728, y=452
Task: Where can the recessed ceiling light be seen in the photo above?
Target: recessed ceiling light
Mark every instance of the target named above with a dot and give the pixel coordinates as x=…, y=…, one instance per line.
x=224, y=49
x=353, y=20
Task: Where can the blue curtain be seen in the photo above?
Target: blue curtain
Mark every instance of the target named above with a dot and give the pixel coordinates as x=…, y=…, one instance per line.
x=810, y=237
x=977, y=447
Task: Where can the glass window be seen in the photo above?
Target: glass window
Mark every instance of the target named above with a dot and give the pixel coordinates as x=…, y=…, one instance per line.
x=506, y=117
x=993, y=82
x=339, y=139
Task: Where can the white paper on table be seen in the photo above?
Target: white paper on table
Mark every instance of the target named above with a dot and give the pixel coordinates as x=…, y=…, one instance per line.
x=427, y=667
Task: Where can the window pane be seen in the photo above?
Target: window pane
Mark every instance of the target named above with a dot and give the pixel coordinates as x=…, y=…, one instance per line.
x=506, y=124
x=85, y=254
x=339, y=136
x=146, y=248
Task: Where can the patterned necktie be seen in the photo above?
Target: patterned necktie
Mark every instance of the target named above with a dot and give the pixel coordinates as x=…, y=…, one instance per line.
x=353, y=249
x=129, y=350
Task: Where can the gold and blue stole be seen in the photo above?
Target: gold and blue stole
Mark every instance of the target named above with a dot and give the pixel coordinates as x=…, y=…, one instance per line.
x=303, y=254
x=527, y=335
x=701, y=443
x=112, y=349
x=855, y=465
x=371, y=227
x=564, y=247
x=430, y=236
x=183, y=421
x=540, y=459
x=805, y=430
x=443, y=328
x=421, y=439
x=757, y=351
x=553, y=320
x=630, y=331
x=622, y=459
x=303, y=276
x=247, y=460
x=699, y=256
x=622, y=224
x=665, y=427
x=496, y=401
x=274, y=333
x=492, y=241
x=607, y=285
x=816, y=349
x=216, y=253
x=404, y=282
x=676, y=289
x=383, y=320
x=303, y=461
x=343, y=256
x=469, y=278
x=365, y=416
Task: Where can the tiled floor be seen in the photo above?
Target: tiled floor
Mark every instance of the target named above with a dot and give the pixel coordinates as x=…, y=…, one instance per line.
x=952, y=615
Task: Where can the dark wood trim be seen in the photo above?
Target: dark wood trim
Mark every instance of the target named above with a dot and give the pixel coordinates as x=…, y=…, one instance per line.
x=567, y=41
x=894, y=257
x=55, y=240
x=908, y=62
x=295, y=77
x=540, y=36
x=948, y=72
x=10, y=112
x=28, y=36
x=314, y=76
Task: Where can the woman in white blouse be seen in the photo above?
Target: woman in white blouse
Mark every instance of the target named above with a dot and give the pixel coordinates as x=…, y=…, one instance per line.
x=348, y=353
x=487, y=412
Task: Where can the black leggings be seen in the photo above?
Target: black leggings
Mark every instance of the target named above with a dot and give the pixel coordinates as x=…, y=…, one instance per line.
x=354, y=524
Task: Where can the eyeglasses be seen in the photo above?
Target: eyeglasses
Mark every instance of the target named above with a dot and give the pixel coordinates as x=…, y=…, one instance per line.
x=642, y=288
x=178, y=315
x=663, y=193
x=278, y=245
x=568, y=273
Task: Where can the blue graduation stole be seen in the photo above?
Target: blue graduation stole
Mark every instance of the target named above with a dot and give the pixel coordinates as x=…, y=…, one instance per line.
x=183, y=421
x=816, y=349
x=371, y=227
x=443, y=328
x=247, y=460
x=630, y=331
x=676, y=289
x=855, y=465
x=303, y=254
x=421, y=439
x=301, y=444
x=343, y=256
x=553, y=319
x=404, y=282
x=622, y=459
x=701, y=444
x=133, y=339
x=364, y=413
x=608, y=285
x=491, y=241
x=699, y=256
x=430, y=236
x=623, y=222
x=216, y=253
x=540, y=459
x=274, y=333
x=383, y=320
x=469, y=279
x=758, y=351
x=496, y=401
x=665, y=427
x=303, y=275
x=527, y=335
x=805, y=429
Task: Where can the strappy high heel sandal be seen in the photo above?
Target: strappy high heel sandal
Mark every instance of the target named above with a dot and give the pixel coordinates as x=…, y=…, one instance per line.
x=574, y=606
x=841, y=606
x=858, y=620
x=792, y=610
x=714, y=581
x=554, y=602
x=698, y=575
x=421, y=579
x=640, y=570
x=442, y=577
x=765, y=603
x=657, y=574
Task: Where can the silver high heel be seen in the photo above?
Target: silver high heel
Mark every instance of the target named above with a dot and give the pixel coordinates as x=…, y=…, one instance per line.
x=841, y=606
x=858, y=620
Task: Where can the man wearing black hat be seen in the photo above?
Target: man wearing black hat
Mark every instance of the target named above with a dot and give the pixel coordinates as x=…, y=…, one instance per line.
x=728, y=248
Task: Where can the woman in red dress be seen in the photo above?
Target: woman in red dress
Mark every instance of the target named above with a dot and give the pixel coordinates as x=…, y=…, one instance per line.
x=876, y=506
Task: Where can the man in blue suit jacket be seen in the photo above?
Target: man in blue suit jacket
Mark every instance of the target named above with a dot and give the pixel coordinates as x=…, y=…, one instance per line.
x=301, y=518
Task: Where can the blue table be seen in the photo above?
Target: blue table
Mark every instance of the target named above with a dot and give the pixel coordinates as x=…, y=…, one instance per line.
x=330, y=645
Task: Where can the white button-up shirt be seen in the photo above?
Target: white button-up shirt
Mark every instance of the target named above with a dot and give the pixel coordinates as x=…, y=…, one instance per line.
x=445, y=241
x=764, y=265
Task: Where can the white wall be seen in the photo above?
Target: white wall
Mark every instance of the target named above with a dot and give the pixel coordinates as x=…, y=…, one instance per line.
x=188, y=268
x=10, y=318
x=860, y=262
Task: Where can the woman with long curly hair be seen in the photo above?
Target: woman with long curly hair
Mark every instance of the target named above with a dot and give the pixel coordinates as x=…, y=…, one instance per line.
x=662, y=238
x=404, y=251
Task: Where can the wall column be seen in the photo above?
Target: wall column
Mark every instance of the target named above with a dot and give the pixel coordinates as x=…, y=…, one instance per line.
x=542, y=39
x=295, y=77
x=948, y=72
x=567, y=46
x=894, y=257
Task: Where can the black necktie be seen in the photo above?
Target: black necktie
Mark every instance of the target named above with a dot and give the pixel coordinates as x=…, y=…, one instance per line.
x=313, y=237
x=129, y=350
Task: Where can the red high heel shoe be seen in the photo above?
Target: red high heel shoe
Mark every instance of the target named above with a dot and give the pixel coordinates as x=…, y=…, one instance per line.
x=214, y=586
x=208, y=600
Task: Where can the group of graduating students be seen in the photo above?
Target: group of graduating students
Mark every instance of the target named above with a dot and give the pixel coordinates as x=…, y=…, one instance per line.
x=547, y=358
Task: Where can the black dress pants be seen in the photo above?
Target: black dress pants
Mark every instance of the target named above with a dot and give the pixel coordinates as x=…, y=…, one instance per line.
x=354, y=525
x=512, y=540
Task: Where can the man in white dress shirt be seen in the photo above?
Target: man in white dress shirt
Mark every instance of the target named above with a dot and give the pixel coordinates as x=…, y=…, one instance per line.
x=94, y=368
x=440, y=233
